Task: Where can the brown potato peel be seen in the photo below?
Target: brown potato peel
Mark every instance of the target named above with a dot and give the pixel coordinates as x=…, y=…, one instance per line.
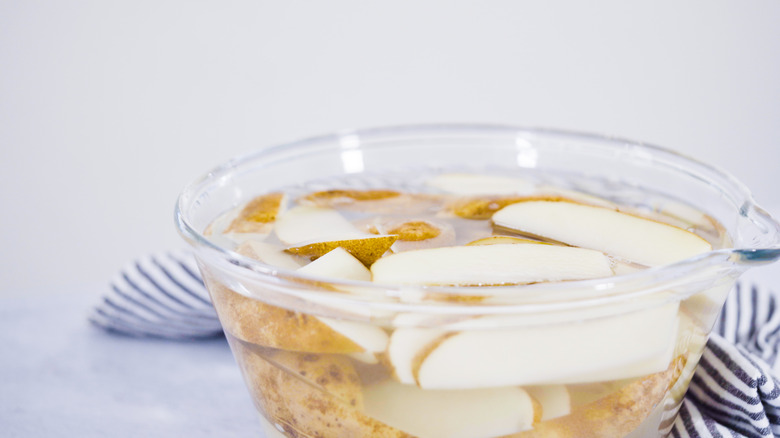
x=615, y=415
x=257, y=214
x=305, y=407
x=263, y=324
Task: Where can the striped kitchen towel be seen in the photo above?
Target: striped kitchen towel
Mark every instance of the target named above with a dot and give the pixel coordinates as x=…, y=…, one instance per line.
x=734, y=392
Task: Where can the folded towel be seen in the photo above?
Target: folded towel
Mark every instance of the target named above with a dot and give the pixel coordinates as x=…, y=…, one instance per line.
x=159, y=296
x=734, y=392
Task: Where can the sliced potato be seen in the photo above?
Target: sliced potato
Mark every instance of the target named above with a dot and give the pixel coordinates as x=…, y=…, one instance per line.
x=469, y=413
x=406, y=344
x=481, y=208
x=258, y=215
x=337, y=264
x=615, y=415
x=333, y=373
x=625, y=345
x=490, y=265
x=314, y=224
x=619, y=234
x=374, y=201
x=415, y=233
x=302, y=407
x=263, y=324
x=495, y=240
x=346, y=196
x=475, y=185
x=367, y=249
x=270, y=254
x=554, y=400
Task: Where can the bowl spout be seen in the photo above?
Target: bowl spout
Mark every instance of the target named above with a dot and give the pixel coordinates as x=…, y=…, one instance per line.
x=758, y=236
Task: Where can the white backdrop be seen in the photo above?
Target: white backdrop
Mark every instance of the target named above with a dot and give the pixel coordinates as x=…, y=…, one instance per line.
x=107, y=108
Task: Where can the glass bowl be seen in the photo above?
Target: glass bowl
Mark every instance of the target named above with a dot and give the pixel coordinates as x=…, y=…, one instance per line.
x=605, y=357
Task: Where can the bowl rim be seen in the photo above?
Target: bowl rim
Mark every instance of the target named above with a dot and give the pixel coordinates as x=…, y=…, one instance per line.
x=626, y=287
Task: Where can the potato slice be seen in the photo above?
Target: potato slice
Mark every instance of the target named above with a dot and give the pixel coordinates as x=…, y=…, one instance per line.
x=374, y=201
x=495, y=240
x=619, y=234
x=331, y=373
x=561, y=194
x=269, y=254
x=304, y=408
x=406, y=343
x=615, y=415
x=259, y=214
x=490, y=265
x=554, y=400
x=475, y=185
x=315, y=231
x=415, y=233
x=468, y=413
x=481, y=208
x=314, y=224
x=337, y=264
x=347, y=196
x=217, y=232
x=367, y=249
x=626, y=345
x=263, y=324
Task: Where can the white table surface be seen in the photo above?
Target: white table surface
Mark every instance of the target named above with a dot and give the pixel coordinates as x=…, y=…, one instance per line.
x=64, y=377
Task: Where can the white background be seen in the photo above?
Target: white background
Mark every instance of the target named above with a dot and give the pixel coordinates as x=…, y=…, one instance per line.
x=107, y=108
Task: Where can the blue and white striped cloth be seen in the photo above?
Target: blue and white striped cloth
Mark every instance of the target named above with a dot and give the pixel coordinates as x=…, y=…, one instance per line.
x=734, y=392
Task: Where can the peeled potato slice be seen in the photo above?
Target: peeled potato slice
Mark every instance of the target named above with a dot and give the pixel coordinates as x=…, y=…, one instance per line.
x=314, y=224
x=338, y=264
x=554, y=399
x=621, y=235
x=475, y=185
x=490, y=265
x=269, y=254
x=495, y=240
x=405, y=345
x=562, y=352
x=470, y=413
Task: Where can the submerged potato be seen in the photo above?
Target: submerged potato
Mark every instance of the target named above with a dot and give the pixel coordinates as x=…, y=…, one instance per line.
x=332, y=373
x=377, y=201
x=317, y=378
x=305, y=408
x=366, y=249
x=615, y=415
x=258, y=214
x=270, y=326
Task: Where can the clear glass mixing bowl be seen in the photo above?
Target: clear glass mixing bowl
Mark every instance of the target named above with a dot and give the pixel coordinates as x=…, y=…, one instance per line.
x=620, y=351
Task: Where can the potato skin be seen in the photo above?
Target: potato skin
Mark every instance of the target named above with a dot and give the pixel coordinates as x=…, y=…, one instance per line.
x=326, y=407
x=613, y=416
x=270, y=326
